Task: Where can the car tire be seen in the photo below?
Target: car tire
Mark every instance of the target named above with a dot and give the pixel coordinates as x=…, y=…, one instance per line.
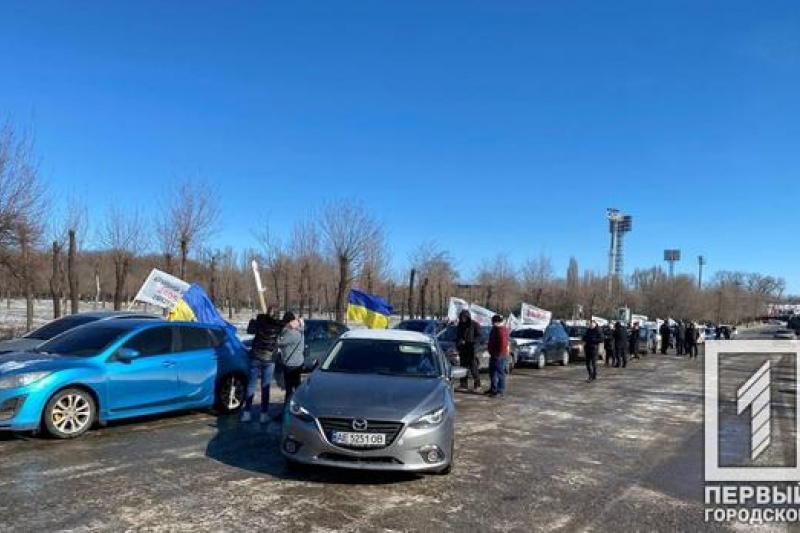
x=541, y=362
x=230, y=393
x=564, y=358
x=69, y=413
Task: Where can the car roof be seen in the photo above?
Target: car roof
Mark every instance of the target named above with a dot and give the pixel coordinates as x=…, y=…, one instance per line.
x=387, y=335
x=114, y=314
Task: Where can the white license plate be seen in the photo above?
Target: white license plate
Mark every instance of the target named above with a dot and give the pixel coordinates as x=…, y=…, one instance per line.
x=358, y=439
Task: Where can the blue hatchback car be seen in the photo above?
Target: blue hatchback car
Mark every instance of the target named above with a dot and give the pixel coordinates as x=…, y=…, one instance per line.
x=114, y=369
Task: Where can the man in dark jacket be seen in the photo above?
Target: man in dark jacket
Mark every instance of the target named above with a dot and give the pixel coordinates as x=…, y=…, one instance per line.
x=467, y=334
x=608, y=344
x=665, y=335
x=680, y=337
x=592, y=339
x=633, y=341
x=620, y=345
x=692, y=335
x=266, y=330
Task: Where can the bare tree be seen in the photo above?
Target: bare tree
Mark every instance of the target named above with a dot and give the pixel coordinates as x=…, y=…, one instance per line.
x=190, y=217
x=124, y=237
x=305, y=249
x=348, y=232
x=435, y=265
x=277, y=261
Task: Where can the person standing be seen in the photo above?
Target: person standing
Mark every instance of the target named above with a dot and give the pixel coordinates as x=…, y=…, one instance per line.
x=498, y=357
x=291, y=343
x=680, y=337
x=467, y=334
x=620, y=345
x=633, y=341
x=265, y=329
x=591, y=342
x=665, y=335
x=692, y=335
x=608, y=345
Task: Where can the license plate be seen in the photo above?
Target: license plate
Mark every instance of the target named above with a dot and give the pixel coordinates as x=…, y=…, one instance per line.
x=358, y=439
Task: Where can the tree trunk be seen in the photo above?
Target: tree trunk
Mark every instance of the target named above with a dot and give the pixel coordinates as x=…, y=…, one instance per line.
x=286, y=289
x=344, y=268
x=27, y=286
x=276, y=283
x=303, y=291
x=369, y=282
x=55, y=280
x=184, y=255
x=72, y=272
x=212, y=290
x=411, y=293
x=120, y=273
x=423, y=289
x=168, y=263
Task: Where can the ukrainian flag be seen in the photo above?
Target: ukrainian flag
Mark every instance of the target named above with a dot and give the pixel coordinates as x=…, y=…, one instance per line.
x=373, y=311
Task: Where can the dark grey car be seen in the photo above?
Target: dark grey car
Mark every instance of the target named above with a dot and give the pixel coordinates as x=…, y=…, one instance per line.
x=60, y=325
x=541, y=347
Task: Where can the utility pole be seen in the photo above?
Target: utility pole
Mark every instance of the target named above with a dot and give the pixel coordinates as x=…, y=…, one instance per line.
x=701, y=261
x=618, y=226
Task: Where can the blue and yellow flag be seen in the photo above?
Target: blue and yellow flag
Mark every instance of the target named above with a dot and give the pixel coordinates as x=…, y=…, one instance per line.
x=373, y=311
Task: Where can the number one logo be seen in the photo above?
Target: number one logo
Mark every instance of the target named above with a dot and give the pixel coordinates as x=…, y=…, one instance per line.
x=755, y=394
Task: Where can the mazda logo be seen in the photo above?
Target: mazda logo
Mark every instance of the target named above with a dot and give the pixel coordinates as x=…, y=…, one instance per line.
x=359, y=424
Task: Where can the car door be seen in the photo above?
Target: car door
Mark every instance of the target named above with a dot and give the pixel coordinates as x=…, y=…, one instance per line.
x=148, y=380
x=197, y=364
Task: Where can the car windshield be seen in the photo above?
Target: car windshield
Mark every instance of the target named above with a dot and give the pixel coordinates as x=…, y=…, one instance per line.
x=84, y=342
x=388, y=357
x=56, y=327
x=528, y=333
x=577, y=331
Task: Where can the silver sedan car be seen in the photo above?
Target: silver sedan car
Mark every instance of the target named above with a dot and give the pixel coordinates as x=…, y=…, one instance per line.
x=381, y=400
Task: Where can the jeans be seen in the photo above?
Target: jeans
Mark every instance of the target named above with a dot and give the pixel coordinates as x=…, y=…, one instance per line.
x=262, y=370
x=497, y=374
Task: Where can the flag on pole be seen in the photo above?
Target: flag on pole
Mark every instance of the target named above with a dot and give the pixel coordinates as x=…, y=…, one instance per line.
x=534, y=316
x=481, y=315
x=512, y=322
x=162, y=289
x=372, y=311
x=455, y=307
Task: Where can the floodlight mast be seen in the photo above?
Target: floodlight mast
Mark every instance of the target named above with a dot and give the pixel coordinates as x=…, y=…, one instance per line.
x=618, y=226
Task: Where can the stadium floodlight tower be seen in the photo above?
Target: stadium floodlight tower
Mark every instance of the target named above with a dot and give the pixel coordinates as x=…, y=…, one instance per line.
x=618, y=226
x=672, y=257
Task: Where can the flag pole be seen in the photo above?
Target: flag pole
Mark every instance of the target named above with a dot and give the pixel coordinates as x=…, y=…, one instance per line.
x=259, y=286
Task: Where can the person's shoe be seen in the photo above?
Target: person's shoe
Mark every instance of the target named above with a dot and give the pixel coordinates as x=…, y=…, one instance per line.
x=246, y=417
x=264, y=418
x=489, y=392
x=589, y=380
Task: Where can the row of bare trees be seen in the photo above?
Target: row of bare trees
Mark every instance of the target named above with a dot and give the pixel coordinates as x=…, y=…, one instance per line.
x=311, y=268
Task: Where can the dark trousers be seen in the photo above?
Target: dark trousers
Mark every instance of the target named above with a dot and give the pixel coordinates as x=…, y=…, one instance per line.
x=691, y=350
x=679, y=345
x=664, y=345
x=609, y=348
x=591, y=363
x=468, y=360
x=291, y=380
x=620, y=357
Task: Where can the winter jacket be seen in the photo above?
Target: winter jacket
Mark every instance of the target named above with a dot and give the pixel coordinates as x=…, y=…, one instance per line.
x=498, y=341
x=266, y=330
x=290, y=344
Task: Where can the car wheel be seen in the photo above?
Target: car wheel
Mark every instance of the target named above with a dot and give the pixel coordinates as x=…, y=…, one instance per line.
x=69, y=413
x=564, y=358
x=540, y=361
x=230, y=393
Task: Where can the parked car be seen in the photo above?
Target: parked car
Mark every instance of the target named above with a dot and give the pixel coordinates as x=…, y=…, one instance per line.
x=447, y=340
x=381, y=400
x=421, y=325
x=540, y=347
x=113, y=369
x=60, y=325
x=575, y=334
x=320, y=335
x=787, y=334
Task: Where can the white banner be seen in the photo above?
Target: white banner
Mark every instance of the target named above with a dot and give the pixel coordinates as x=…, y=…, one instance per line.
x=600, y=321
x=161, y=289
x=455, y=307
x=641, y=319
x=512, y=322
x=534, y=316
x=481, y=315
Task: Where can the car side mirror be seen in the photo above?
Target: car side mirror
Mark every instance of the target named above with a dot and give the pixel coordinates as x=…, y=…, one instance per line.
x=458, y=372
x=125, y=355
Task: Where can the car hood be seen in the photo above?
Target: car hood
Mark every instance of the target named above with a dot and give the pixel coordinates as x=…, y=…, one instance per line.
x=330, y=394
x=22, y=362
x=526, y=342
x=19, y=345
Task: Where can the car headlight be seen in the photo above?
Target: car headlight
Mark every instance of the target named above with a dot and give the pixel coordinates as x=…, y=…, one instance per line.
x=22, y=380
x=429, y=420
x=530, y=348
x=299, y=411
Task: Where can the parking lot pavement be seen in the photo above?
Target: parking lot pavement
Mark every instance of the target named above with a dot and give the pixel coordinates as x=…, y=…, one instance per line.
x=622, y=453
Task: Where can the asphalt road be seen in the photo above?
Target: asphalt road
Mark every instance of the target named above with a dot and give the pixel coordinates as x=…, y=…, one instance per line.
x=624, y=453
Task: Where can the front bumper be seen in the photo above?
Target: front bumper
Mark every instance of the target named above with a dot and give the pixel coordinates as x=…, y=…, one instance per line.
x=19, y=410
x=526, y=356
x=404, y=454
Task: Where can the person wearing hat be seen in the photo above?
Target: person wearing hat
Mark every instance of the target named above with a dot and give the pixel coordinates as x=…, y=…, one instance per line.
x=291, y=344
x=498, y=357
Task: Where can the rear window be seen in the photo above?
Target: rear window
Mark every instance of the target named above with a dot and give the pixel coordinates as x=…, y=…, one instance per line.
x=527, y=334
x=56, y=327
x=85, y=342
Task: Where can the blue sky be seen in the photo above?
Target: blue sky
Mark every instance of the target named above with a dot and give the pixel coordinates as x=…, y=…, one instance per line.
x=486, y=127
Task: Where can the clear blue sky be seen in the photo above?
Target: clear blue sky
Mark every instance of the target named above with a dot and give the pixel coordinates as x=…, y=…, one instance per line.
x=486, y=127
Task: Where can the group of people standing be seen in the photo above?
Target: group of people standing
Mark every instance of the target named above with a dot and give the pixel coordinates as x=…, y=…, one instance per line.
x=467, y=336
x=618, y=342
x=687, y=336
